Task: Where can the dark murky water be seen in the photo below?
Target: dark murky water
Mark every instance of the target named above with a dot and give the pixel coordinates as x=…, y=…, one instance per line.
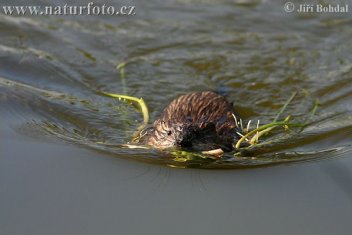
x=62, y=168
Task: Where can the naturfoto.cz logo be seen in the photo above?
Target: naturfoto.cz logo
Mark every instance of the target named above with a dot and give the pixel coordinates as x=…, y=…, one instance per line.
x=89, y=9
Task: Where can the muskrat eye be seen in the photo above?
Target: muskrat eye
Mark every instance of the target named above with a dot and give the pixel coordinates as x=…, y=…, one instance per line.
x=169, y=132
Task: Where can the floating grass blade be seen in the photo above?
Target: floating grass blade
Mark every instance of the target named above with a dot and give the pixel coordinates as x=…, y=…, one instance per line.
x=248, y=126
x=255, y=138
x=121, y=68
x=139, y=101
x=315, y=108
x=285, y=106
x=263, y=127
x=260, y=131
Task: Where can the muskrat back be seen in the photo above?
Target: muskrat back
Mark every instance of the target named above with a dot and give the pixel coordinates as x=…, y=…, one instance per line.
x=199, y=120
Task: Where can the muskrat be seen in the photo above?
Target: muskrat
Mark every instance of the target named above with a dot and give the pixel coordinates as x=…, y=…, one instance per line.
x=199, y=121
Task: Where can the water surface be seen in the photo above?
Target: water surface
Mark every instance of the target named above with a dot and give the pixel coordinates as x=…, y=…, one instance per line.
x=57, y=178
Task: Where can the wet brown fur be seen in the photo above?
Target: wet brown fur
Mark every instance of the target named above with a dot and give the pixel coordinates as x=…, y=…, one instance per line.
x=200, y=120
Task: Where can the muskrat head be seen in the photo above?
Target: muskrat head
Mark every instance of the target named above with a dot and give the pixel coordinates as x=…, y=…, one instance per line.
x=166, y=135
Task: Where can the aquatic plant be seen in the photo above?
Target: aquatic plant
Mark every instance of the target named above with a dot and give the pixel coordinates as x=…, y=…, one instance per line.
x=249, y=137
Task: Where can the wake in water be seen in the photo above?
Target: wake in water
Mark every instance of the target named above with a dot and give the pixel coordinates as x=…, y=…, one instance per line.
x=105, y=125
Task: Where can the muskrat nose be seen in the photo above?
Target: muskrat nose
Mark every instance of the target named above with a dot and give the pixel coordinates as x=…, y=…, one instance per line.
x=181, y=135
x=184, y=137
x=179, y=140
